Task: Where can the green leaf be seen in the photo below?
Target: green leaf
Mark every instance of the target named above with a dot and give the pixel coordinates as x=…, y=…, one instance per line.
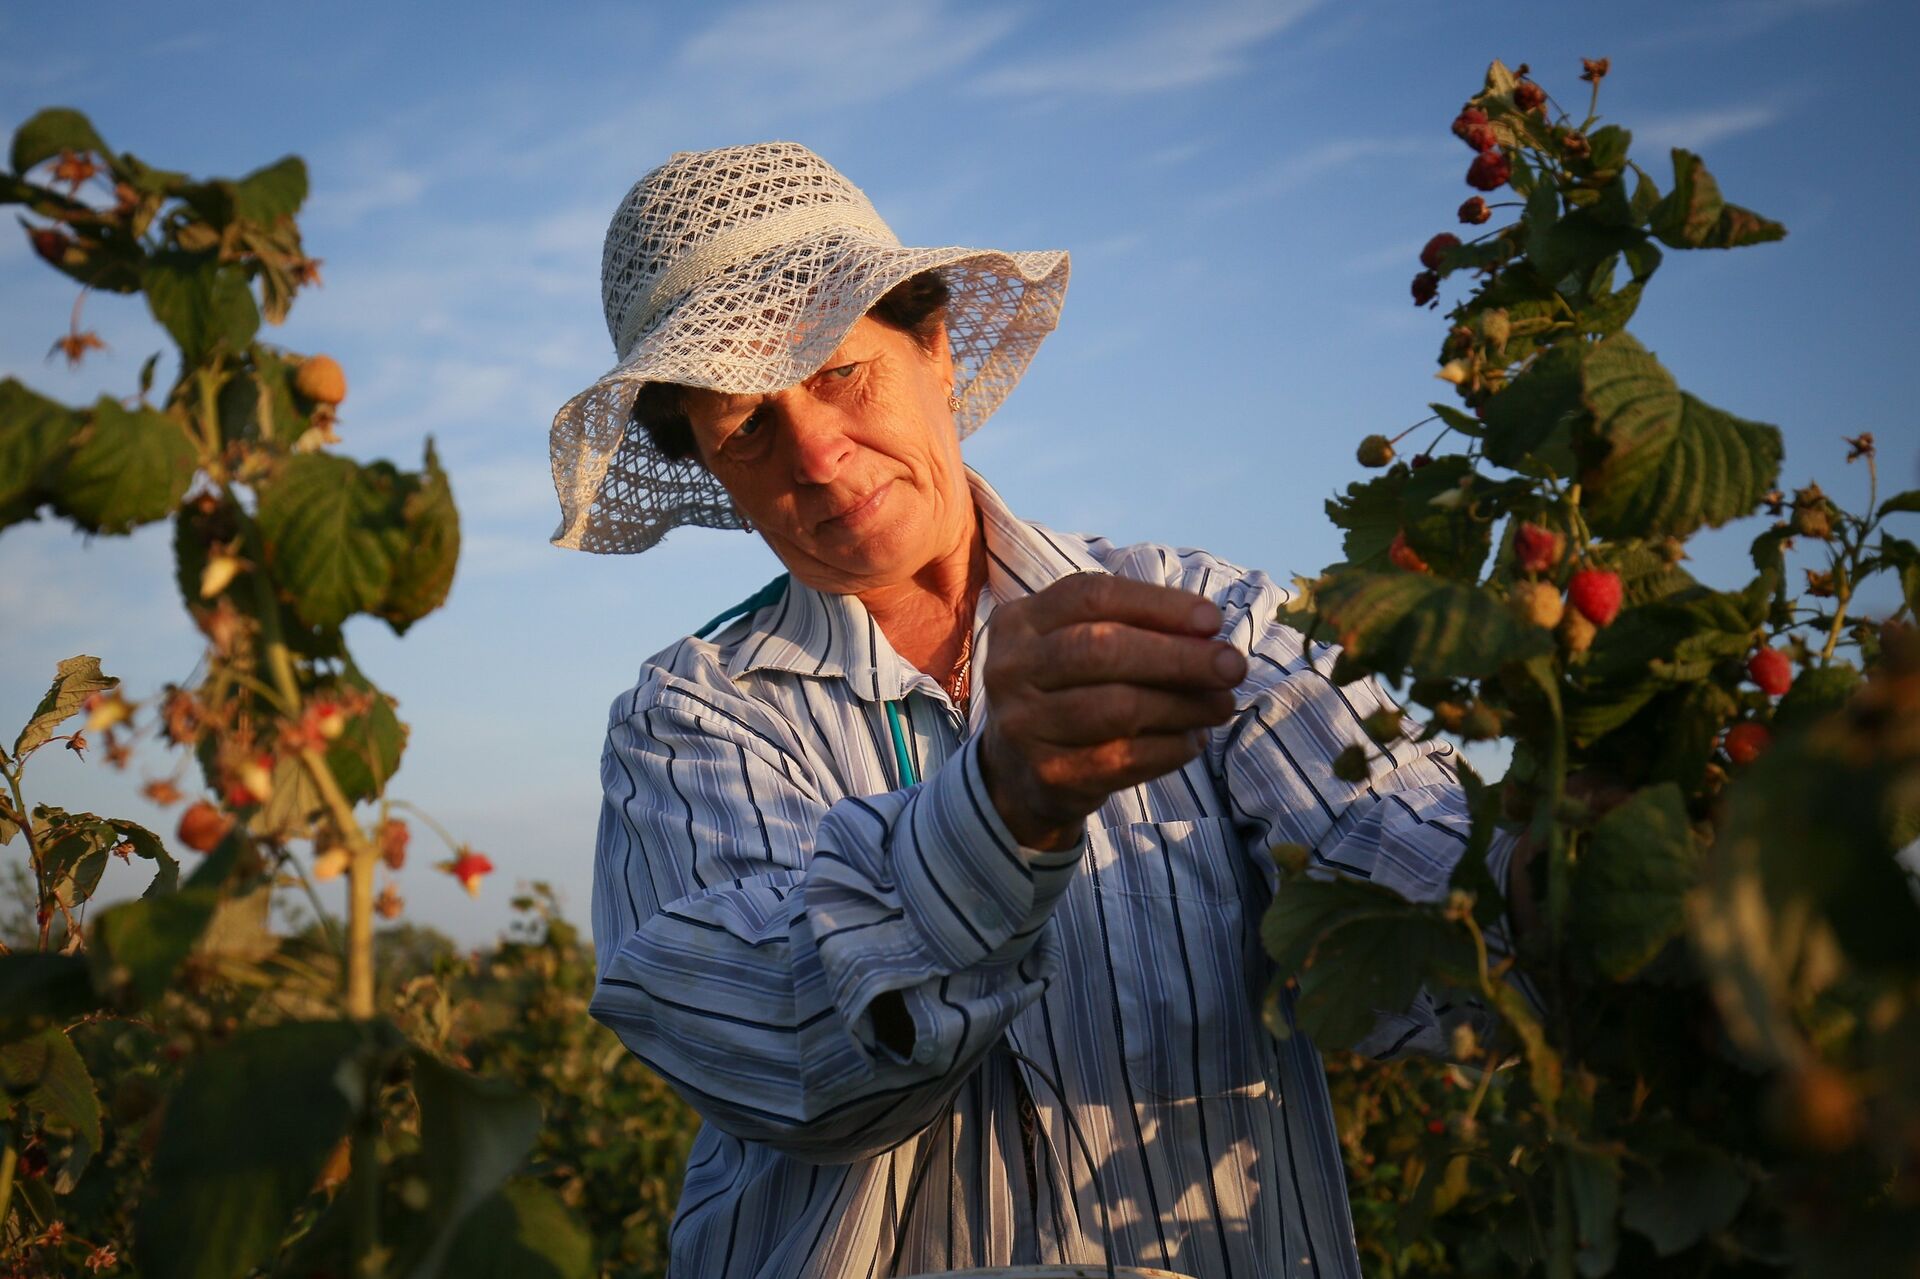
x=1900, y=503
x=1369, y=511
x=73, y=852
x=74, y=680
x=1693, y=215
x=524, y=1230
x=423, y=569
x=137, y=946
x=1465, y=423
x=1531, y=418
x=367, y=754
x=147, y=844
x=1817, y=692
x=473, y=1132
x=1635, y=408
x=37, y=990
x=130, y=467
x=333, y=530
x=1717, y=468
x=47, y=1073
x=50, y=132
x=246, y=1134
x=1429, y=626
x=35, y=433
x=1357, y=950
x=1607, y=149
x=204, y=304
x=1630, y=887
x=1688, y=214
x=272, y=192
x=1690, y=1196
x=1594, y=1182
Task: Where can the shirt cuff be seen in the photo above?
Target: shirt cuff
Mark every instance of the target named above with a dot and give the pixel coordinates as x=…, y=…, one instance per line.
x=977, y=894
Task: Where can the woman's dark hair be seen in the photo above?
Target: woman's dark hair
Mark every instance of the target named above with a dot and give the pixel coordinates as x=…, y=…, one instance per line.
x=916, y=306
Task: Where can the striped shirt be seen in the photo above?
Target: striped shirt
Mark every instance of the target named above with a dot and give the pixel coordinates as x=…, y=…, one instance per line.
x=763, y=873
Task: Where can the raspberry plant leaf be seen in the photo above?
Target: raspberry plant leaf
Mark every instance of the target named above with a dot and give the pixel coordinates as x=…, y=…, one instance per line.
x=522, y=1229
x=35, y=433
x=38, y=990
x=46, y=1074
x=202, y=302
x=368, y=752
x=1396, y=622
x=1717, y=468
x=272, y=192
x=127, y=468
x=244, y=1139
x=423, y=569
x=50, y=132
x=74, y=680
x=1694, y=216
x=73, y=853
x=1689, y=1195
x=1529, y=424
x=333, y=530
x=1634, y=409
x=475, y=1133
x=136, y=947
x=1631, y=886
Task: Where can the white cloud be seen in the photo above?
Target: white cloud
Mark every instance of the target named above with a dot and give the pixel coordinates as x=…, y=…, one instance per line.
x=1177, y=50
x=1312, y=163
x=1697, y=129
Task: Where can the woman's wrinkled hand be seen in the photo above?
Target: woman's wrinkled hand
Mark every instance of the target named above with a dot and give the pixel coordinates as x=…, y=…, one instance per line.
x=1095, y=684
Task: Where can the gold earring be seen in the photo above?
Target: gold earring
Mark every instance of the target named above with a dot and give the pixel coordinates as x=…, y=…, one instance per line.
x=953, y=403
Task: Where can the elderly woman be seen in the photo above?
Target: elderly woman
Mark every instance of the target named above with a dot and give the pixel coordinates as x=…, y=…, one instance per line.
x=933, y=878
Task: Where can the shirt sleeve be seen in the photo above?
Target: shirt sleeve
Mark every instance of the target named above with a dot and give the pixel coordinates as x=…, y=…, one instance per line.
x=1404, y=826
x=744, y=927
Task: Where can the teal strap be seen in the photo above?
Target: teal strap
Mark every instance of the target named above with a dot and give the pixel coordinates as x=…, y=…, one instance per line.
x=901, y=760
x=758, y=600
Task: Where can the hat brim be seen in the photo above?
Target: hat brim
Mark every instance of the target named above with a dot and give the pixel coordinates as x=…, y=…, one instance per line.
x=765, y=324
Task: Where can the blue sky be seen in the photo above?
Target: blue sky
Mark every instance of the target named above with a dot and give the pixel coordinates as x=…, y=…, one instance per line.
x=1243, y=187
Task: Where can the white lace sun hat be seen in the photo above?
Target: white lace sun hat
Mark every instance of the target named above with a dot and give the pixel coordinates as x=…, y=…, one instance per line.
x=741, y=270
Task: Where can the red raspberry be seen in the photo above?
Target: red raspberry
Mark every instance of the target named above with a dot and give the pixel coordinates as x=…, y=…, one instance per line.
x=1425, y=286
x=1404, y=556
x=203, y=826
x=1747, y=742
x=1475, y=211
x=49, y=243
x=1527, y=95
x=1536, y=549
x=1436, y=1126
x=1471, y=127
x=1489, y=170
x=1436, y=250
x=1596, y=592
x=1770, y=669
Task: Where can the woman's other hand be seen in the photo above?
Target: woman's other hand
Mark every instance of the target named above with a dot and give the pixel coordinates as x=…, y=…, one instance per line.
x=1094, y=684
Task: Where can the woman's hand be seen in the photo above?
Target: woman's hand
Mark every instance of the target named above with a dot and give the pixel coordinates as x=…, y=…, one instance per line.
x=1095, y=684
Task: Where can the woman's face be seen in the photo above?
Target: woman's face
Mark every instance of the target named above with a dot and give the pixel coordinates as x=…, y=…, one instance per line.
x=853, y=476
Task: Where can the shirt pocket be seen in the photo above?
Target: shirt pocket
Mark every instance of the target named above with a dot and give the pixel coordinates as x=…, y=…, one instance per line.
x=1180, y=952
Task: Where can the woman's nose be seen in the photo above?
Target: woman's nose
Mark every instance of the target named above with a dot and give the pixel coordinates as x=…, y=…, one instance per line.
x=820, y=445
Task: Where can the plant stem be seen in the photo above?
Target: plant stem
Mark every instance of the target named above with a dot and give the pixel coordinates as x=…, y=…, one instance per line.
x=8, y=1158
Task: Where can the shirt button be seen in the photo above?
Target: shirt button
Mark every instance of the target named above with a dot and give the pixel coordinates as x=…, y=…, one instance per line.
x=923, y=1052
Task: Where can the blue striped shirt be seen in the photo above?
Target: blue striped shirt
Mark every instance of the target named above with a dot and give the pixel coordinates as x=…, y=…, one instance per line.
x=764, y=873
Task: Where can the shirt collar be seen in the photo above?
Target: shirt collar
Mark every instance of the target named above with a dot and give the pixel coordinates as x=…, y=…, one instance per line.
x=810, y=632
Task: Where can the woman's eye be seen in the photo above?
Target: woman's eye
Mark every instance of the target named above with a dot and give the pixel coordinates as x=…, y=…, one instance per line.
x=752, y=425
x=843, y=372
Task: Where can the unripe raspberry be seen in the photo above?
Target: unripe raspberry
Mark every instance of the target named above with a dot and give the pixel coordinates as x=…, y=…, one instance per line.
x=1747, y=742
x=1537, y=604
x=1375, y=451
x=1536, y=549
x=392, y=838
x=1770, y=669
x=321, y=379
x=1812, y=513
x=1475, y=211
x=1597, y=593
x=1576, y=632
x=1400, y=555
x=1436, y=250
x=1489, y=171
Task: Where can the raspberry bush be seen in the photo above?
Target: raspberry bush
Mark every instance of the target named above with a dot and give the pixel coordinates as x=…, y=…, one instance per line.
x=259, y=1111
x=1709, y=1009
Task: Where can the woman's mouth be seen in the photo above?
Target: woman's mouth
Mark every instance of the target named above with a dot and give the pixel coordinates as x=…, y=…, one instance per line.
x=857, y=516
